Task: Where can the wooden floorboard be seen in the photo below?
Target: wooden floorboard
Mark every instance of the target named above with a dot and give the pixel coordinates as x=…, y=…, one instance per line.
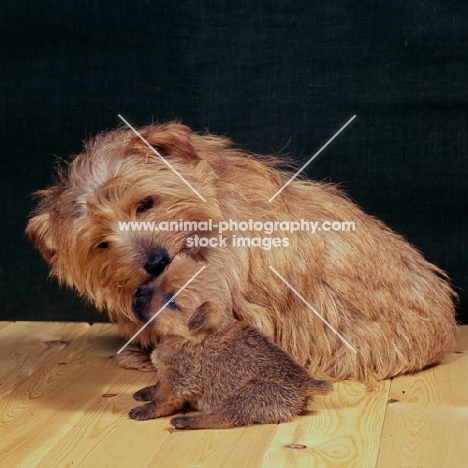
x=64, y=403
x=427, y=418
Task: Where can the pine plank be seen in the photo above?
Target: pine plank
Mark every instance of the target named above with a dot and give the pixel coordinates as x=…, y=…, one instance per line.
x=427, y=417
x=26, y=346
x=343, y=430
x=104, y=435
x=462, y=340
x=4, y=325
x=237, y=447
x=68, y=403
x=53, y=398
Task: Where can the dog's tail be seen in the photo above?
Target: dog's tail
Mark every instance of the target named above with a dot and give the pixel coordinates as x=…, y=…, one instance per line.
x=318, y=387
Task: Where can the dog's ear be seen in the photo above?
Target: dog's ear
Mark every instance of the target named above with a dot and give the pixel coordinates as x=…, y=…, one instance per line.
x=169, y=139
x=39, y=233
x=206, y=318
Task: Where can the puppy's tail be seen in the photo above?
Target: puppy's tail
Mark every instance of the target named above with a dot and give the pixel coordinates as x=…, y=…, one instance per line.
x=318, y=387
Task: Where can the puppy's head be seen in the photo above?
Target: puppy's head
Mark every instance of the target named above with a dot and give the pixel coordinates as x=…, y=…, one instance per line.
x=188, y=300
x=82, y=226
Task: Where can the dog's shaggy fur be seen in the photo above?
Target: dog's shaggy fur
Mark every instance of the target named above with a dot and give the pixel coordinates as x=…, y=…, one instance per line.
x=224, y=368
x=395, y=308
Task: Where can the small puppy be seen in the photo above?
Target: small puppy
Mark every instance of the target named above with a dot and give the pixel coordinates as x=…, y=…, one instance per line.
x=224, y=368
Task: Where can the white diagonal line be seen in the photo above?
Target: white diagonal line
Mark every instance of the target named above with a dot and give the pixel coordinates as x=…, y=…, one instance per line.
x=311, y=159
x=161, y=309
x=314, y=311
x=158, y=154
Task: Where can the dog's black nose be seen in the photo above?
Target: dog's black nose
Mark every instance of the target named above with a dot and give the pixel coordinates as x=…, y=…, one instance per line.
x=142, y=301
x=144, y=291
x=157, y=261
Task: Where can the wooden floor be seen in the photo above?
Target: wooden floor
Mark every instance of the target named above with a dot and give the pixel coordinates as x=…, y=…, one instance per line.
x=64, y=403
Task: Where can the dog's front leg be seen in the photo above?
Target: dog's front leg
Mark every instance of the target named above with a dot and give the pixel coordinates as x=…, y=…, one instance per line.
x=163, y=401
x=146, y=394
x=153, y=409
x=213, y=420
x=135, y=358
x=143, y=413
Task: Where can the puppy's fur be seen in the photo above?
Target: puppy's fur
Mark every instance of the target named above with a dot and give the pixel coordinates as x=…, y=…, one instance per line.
x=395, y=308
x=224, y=368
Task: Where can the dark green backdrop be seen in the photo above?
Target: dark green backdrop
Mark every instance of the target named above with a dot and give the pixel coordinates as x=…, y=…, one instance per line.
x=272, y=75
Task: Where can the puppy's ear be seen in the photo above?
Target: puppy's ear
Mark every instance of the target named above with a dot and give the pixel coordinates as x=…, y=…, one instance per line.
x=39, y=233
x=169, y=139
x=206, y=318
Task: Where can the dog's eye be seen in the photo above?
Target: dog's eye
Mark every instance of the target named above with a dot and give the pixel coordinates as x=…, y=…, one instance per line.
x=168, y=299
x=145, y=205
x=103, y=245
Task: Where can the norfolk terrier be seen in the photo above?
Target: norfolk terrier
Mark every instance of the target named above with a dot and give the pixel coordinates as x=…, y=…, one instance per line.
x=368, y=284
x=224, y=368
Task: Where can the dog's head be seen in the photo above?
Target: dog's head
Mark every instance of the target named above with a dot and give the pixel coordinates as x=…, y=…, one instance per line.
x=188, y=299
x=81, y=225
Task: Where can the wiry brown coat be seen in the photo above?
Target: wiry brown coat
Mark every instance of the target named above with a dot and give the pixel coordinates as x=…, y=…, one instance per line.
x=224, y=368
x=394, y=307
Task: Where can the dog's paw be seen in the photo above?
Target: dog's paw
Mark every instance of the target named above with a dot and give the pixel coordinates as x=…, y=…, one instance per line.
x=143, y=413
x=145, y=394
x=181, y=422
x=134, y=358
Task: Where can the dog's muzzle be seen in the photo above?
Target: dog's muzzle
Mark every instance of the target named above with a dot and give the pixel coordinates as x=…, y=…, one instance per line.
x=157, y=261
x=142, y=301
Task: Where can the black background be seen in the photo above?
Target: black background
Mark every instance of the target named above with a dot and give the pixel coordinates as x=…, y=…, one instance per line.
x=274, y=76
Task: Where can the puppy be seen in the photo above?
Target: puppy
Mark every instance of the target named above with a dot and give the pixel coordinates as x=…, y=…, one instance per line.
x=392, y=306
x=226, y=369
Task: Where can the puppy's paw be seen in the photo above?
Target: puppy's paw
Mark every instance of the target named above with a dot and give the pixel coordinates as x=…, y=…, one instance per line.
x=181, y=422
x=145, y=394
x=134, y=358
x=143, y=413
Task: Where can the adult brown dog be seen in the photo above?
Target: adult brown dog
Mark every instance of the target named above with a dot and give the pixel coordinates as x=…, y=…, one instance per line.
x=205, y=358
x=391, y=305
